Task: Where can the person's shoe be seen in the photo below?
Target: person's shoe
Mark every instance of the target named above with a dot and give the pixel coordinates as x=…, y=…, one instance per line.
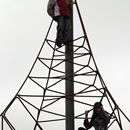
x=58, y=42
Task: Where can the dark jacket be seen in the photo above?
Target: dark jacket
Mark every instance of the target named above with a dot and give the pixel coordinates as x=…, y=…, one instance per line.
x=98, y=121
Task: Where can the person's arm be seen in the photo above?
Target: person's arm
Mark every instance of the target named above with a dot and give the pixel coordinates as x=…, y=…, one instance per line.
x=86, y=123
x=71, y=2
x=50, y=5
x=107, y=117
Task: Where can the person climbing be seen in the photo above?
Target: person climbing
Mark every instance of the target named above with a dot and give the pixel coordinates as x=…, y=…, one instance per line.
x=59, y=10
x=99, y=119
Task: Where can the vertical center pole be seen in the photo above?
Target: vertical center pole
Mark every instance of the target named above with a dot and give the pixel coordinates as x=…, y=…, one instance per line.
x=69, y=84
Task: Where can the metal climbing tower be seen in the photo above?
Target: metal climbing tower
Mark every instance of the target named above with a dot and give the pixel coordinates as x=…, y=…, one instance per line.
x=62, y=83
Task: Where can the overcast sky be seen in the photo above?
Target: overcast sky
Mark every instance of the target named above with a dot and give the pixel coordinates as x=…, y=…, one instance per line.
x=23, y=26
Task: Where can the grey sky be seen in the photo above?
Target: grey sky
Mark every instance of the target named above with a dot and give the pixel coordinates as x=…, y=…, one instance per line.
x=23, y=25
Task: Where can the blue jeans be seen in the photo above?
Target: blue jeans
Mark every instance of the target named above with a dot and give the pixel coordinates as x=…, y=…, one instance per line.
x=63, y=28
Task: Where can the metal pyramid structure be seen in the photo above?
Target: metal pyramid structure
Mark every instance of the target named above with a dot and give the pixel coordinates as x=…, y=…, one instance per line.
x=40, y=102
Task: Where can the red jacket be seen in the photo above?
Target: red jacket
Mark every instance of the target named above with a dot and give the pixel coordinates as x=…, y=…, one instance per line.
x=58, y=8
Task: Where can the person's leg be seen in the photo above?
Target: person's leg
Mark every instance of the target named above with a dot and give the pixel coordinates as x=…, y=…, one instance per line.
x=66, y=30
x=60, y=28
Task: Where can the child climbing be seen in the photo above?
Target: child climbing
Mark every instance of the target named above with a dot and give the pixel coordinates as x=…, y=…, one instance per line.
x=99, y=119
x=59, y=10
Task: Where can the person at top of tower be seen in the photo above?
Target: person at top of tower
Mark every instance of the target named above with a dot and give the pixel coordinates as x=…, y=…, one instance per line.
x=99, y=119
x=59, y=10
